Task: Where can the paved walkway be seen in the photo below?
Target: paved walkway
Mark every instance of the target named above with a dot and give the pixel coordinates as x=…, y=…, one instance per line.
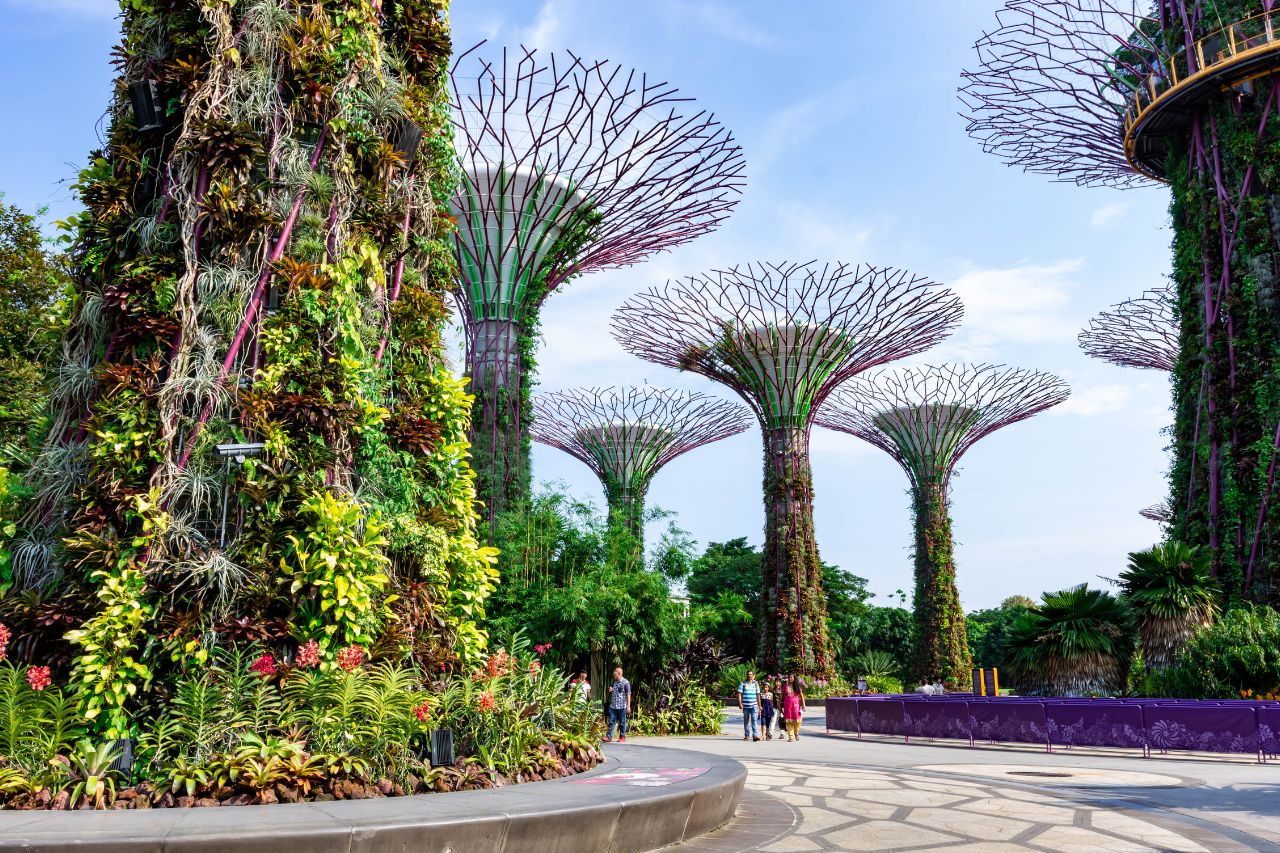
x=835, y=792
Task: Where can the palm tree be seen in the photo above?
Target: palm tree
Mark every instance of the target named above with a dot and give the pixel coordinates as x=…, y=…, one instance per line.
x=1076, y=643
x=1171, y=588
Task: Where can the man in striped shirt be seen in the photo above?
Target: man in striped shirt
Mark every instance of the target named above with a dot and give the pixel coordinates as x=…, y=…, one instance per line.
x=749, y=702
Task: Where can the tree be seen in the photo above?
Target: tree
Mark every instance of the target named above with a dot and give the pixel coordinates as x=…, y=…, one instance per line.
x=729, y=568
x=1076, y=643
x=1173, y=593
x=988, y=631
x=33, y=282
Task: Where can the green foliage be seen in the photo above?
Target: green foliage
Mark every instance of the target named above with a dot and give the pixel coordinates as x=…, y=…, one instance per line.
x=883, y=684
x=35, y=725
x=874, y=664
x=942, y=648
x=1173, y=593
x=689, y=712
x=1078, y=642
x=885, y=629
x=33, y=287
x=1238, y=656
x=340, y=564
x=988, y=631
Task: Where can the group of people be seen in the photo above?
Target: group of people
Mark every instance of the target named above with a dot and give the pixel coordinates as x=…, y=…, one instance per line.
x=765, y=705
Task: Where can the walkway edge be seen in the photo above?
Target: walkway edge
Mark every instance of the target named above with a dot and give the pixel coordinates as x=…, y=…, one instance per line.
x=562, y=815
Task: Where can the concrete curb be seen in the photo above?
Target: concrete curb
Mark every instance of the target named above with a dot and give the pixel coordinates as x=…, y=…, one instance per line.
x=541, y=816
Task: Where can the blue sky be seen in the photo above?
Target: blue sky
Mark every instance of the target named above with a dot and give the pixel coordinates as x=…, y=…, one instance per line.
x=855, y=152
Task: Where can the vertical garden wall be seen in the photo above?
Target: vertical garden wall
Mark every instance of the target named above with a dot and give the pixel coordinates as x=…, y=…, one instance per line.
x=255, y=435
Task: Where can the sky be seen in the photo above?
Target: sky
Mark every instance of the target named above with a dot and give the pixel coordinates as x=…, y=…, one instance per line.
x=855, y=151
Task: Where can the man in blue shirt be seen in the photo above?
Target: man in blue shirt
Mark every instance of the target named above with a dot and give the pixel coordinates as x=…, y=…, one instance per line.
x=619, y=706
x=749, y=702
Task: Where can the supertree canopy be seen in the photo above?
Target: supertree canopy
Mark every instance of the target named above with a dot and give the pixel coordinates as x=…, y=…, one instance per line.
x=1101, y=92
x=626, y=435
x=926, y=418
x=1160, y=512
x=256, y=436
x=783, y=336
x=1140, y=332
x=568, y=167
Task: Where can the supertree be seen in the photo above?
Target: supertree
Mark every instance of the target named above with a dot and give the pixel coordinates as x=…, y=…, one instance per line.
x=625, y=435
x=265, y=224
x=568, y=167
x=926, y=418
x=783, y=335
x=1099, y=93
x=1140, y=333
x=1160, y=512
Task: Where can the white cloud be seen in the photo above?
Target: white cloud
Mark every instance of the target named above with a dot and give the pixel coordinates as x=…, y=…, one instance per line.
x=1109, y=214
x=794, y=125
x=1095, y=400
x=1022, y=304
x=547, y=27
x=724, y=22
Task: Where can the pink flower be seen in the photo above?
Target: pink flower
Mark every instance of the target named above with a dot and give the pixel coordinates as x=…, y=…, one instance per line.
x=38, y=677
x=542, y=649
x=264, y=666
x=308, y=654
x=534, y=667
x=5, y=634
x=350, y=658
x=422, y=712
x=485, y=702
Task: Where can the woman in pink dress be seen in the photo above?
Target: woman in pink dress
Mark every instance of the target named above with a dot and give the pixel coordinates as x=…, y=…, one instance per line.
x=793, y=707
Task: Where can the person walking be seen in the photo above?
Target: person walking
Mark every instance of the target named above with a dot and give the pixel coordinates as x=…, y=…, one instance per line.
x=793, y=707
x=581, y=689
x=749, y=704
x=619, y=706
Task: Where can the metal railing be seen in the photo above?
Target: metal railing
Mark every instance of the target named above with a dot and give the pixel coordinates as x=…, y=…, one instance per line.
x=1223, y=47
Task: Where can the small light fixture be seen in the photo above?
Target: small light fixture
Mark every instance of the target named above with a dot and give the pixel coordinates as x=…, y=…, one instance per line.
x=240, y=452
x=406, y=138
x=442, y=747
x=148, y=113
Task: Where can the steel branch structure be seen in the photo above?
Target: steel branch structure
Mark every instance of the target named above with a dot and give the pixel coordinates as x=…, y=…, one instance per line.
x=783, y=335
x=1122, y=93
x=1160, y=512
x=625, y=435
x=1140, y=332
x=926, y=418
x=567, y=167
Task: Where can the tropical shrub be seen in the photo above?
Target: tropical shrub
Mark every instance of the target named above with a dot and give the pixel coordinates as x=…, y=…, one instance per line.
x=1238, y=656
x=1173, y=595
x=689, y=711
x=874, y=664
x=248, y=727
x=1076, y=643
x=883, y=684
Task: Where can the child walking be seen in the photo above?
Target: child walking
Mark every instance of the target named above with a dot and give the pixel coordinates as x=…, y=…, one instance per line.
x=768, y=715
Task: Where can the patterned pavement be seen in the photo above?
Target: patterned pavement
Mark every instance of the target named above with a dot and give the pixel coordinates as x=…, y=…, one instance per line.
x=839, y=794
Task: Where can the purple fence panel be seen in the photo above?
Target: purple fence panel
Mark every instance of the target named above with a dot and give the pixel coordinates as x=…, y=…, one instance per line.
x=1012, y=722
x=881, y=717
x=1207, y=728
x=938, y=719
x=842, y=714
x=1095, y=724
x=1269, y=730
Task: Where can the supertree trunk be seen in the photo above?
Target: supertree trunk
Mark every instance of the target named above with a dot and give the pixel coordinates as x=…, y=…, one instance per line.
x=1226, y=380
x=626, y=518
x=942, y=647
x=500, y=377
x=793, y=623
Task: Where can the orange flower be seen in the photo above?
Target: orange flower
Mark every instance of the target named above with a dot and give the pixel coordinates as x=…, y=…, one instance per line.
x=485, y=702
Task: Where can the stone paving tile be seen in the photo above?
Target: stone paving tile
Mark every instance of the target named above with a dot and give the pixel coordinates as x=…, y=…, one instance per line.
x=801, y=807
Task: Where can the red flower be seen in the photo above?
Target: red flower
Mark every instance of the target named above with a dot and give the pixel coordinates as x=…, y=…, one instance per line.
x=350, y=658
x=308, y=654
x=499, y=663
x=485, y=702
x=542, y=649
x=264, y=666
x=5, y=634
x=422, y=712
x=38, y=677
